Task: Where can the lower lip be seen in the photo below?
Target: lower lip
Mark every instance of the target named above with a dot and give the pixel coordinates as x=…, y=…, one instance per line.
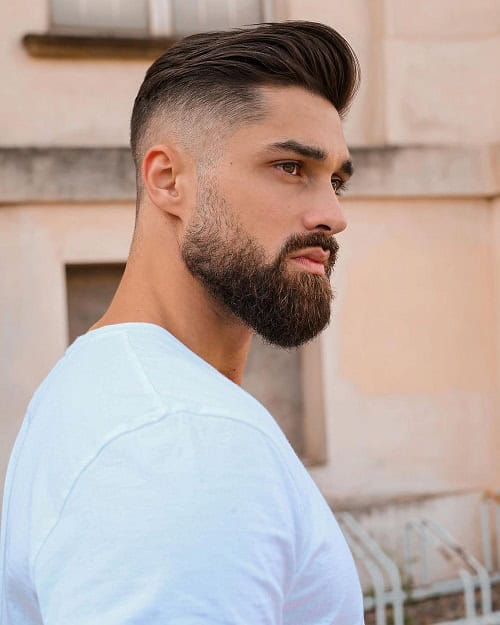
x=310, y=265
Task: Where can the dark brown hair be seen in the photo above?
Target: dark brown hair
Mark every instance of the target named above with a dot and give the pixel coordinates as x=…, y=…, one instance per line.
x=217, y=74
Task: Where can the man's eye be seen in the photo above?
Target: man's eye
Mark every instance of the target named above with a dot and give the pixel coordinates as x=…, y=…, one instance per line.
x=290, y=167
x=338, y=185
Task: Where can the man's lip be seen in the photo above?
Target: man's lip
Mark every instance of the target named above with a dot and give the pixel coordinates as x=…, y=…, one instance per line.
x=316, y=254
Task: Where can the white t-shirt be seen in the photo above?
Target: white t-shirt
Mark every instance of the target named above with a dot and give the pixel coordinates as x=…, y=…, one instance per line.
x=146, y=488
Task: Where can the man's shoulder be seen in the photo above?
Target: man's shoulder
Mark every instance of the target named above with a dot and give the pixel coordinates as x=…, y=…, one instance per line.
x=112, y=389
x=96, y=387
x=126, y=373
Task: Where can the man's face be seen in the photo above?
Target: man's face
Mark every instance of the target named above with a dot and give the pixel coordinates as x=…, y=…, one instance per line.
x=261, y=237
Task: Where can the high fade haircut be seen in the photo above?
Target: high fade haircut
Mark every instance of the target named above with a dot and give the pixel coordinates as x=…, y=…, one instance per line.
x=207, y=84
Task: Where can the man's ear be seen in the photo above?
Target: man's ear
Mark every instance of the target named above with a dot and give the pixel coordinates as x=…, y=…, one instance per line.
x=163, y=174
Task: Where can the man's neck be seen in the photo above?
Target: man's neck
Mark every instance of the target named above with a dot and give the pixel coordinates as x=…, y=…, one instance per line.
x=179, y=303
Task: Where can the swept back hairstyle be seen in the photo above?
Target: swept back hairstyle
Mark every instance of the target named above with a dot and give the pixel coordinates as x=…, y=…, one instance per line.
x=215, y=76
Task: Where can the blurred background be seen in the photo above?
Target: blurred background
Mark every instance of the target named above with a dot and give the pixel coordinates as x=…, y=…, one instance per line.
x=394, y=410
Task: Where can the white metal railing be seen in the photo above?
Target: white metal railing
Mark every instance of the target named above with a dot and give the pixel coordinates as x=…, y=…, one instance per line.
x=423, y=536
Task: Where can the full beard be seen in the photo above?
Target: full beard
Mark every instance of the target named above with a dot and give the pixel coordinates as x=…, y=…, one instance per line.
x=286, y=308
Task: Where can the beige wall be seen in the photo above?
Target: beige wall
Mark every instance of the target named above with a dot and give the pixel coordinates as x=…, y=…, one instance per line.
x=441, y=81
x=35, y=243
x=411, y=355
x=60, y=102
x=496, y=262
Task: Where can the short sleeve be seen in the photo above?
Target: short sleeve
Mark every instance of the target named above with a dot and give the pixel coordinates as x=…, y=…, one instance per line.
x=191, y=520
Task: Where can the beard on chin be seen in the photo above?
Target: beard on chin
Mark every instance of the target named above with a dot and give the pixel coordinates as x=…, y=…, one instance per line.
x=285, y=307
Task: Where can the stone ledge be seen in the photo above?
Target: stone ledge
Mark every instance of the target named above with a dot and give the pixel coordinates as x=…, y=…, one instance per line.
x=32, y=175
x=56, y=46
x=95, y=174
x=426, y=171
x=366, y=505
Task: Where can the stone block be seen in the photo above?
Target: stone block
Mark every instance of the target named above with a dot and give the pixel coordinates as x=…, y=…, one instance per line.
x=442, y=92
x=361, y=24
x=439, y=20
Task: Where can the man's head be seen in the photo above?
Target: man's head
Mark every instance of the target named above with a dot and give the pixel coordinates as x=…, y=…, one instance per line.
x=237, y=139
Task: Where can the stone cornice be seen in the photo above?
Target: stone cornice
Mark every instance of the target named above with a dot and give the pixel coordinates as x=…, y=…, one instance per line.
x=95, y=174
x=32, y=175
x=426, y=171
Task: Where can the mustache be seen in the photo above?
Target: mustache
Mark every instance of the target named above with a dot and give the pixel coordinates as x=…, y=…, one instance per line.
x=298, y=242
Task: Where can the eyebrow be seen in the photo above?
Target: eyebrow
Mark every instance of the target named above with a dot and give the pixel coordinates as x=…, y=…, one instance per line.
x=310, y=151
x=347, y=168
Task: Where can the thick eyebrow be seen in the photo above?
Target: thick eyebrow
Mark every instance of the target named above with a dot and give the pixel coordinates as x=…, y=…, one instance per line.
x=310, y=151
x=347, y=168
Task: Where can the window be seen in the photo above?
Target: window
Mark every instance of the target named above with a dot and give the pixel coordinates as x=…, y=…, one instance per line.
x=159, y=18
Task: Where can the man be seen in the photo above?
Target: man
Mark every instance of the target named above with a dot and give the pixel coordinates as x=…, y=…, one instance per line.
x=145, y=485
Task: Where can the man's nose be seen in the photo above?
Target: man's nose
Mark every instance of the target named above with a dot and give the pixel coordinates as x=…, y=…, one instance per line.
x=325, y=214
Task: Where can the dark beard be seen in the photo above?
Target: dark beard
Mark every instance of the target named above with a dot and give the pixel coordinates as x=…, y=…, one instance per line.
x=287, y=308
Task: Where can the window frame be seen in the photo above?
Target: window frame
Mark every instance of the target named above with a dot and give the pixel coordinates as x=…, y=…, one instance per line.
x=158, y=11
x=53, y=44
